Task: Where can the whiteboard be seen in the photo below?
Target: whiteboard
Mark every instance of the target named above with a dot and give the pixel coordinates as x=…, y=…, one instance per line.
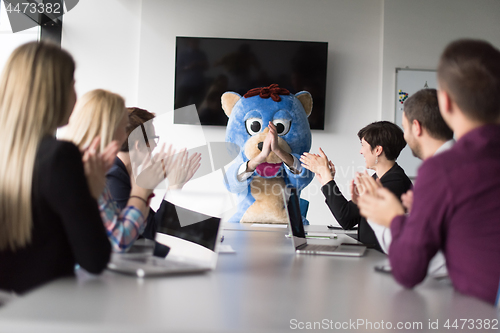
x=408, y=82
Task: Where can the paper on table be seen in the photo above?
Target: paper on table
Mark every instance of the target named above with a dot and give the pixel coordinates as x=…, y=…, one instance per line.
x=226, y=248
x=283, y=226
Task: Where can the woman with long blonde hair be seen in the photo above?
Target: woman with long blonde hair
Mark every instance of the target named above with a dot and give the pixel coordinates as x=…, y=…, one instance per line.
x=99, y=119
x=48, y=218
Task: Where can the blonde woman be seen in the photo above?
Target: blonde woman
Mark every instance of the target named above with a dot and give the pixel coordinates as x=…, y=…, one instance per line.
x=99, y=119
x=48, y=218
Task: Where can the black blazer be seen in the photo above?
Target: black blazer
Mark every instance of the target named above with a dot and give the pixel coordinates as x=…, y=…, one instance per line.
x=347, y=212
x=67, y=225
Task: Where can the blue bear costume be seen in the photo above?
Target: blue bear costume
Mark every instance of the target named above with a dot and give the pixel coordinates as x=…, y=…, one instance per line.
x=260, y=195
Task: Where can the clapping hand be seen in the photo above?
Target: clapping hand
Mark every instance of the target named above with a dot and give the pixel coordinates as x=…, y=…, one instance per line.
x=367, y=184
x=153, y=170
x=320, y=165
x=407, y=199
x=273, y=135
x=183, y=169
x=354, y=192
x=376, y=203
x=265, y=151
x=96, y=165
x=362, y=184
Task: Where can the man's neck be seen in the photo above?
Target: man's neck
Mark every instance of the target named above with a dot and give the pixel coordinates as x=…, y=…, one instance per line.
x=466, y=128
x=461, y=124
x=430, y=146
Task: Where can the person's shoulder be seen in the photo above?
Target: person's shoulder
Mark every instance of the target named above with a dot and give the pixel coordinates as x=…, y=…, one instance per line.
x=396, y=180
x=55, y=158
x=439, y=161
x=396, y=173
x=118, y=169
x=437, y=166
x=50, y=149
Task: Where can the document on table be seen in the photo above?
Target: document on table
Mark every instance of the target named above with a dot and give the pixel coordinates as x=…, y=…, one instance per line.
x=258, y=225
x=226, y=248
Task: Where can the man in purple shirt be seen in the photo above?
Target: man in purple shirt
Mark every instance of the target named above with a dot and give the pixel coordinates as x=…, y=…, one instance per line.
x=456, y=205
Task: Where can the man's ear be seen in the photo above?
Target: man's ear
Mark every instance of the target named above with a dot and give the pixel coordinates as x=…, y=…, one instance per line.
x=416, y=128
x=445, y=102
x=306, y=100
x=228, y=100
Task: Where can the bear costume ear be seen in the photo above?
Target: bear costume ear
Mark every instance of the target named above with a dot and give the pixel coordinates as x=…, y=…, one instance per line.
x=306, y=99
x=228, y=100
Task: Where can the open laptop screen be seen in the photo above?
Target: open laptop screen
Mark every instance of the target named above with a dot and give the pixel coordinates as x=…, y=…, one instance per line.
x=190, y=226
x=294, y=215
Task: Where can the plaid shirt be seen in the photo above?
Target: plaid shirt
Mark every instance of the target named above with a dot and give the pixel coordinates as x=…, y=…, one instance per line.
x=122, y=227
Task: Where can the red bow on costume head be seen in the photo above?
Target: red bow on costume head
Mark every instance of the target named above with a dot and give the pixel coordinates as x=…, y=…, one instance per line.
x=272, y=91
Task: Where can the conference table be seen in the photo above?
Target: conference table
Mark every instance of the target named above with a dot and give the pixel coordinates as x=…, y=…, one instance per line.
x=262, y=287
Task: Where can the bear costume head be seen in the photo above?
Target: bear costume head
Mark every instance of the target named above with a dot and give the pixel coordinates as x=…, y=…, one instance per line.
x=248, y=127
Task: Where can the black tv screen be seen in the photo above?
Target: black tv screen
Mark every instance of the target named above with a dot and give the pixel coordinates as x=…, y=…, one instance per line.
x=207, y=67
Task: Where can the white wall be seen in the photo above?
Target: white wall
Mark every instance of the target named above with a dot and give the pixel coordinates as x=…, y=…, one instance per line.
x=103, y=37
x=352, y=29
x=416, y=32
x=10, y=41
x=128, y=46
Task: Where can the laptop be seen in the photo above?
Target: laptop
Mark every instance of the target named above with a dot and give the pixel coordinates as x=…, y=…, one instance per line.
x=299, y=239
x=188, y=243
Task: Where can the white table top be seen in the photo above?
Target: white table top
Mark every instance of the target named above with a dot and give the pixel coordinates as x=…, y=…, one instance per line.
x=263, y=287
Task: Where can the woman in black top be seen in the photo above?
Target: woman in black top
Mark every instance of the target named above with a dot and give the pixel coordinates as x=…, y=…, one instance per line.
x=49, y=220
x=381, y=144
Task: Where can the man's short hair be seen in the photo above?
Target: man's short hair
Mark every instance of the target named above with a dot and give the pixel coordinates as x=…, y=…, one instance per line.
x=423, y=106
x=469, y=71
x=385, y=134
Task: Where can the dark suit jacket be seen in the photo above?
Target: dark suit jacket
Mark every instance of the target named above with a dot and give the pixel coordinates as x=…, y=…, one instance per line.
x=347, y=212
x=67, y=225
x=118, y=182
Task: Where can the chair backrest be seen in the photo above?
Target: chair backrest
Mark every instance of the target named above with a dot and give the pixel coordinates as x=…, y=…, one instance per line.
x=304, y=206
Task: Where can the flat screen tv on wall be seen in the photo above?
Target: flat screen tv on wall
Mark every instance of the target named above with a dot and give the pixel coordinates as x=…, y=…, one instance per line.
x=205, y=68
